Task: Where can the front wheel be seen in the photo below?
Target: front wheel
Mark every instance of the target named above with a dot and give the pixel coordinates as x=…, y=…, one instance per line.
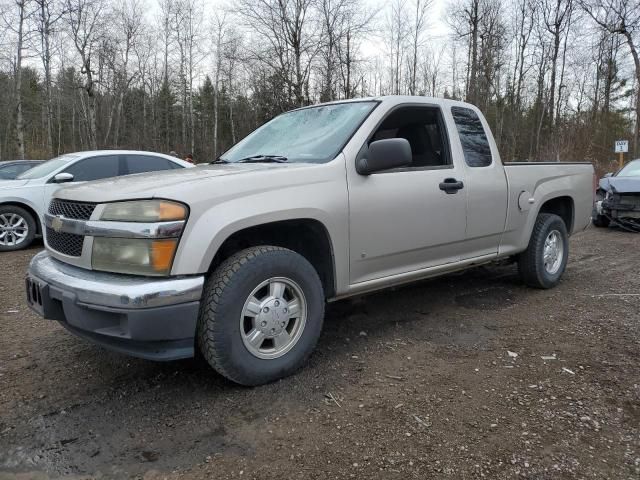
x=543, y=262
x=17, y=228
x=598, y=220
x=261, y=315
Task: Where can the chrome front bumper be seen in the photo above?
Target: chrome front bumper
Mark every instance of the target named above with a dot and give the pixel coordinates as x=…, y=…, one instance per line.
x=114, y=290
x=150, y=318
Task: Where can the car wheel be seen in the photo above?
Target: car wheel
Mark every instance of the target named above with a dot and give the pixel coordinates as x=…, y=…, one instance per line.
x=261, y=315
x=600, y=221
x=17, y=228
x=543, y=262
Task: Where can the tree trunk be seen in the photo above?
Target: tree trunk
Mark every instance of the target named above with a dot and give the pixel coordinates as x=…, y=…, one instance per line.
x=636, y=63
x=118, y=117
x=19, y=115
x=92, y=139
x=46, y=61
x=472, y=87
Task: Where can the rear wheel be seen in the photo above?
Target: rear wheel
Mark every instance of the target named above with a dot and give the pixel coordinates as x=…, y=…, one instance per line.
x=17, y=228
x=261, y=315
x=543, y=262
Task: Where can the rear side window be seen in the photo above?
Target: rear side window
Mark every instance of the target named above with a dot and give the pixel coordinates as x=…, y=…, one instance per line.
x=95, y=168
x=146, y=163
x=477, y=152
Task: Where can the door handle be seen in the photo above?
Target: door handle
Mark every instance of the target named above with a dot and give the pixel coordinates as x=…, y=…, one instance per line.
x=451, y=185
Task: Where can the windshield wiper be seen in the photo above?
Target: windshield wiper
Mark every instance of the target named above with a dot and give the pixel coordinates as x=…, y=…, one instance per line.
x=219, y=160
x=263, y=158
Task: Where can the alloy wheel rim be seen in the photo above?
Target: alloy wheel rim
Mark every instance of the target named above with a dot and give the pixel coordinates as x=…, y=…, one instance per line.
x=553, y=252
x=13, y=229
x=273, y=318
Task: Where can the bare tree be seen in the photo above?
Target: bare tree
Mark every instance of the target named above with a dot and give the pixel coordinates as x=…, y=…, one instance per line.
x=17, y=22
x=622, y=17
x=291, y=36
x=418, y=26
x=127, y=20
x=220, y=38
x=398, y=28
x=84, y=18
x=431, y=68
x=465, y=20
x=556, y=16
x=47, y=16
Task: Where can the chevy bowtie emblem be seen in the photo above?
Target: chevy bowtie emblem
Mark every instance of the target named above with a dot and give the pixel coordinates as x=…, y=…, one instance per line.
x=56, y=223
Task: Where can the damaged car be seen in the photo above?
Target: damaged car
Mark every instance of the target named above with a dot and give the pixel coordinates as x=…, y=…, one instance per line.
x=618, y=198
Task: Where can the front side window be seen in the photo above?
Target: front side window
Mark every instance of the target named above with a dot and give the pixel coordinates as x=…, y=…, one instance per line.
x=146, y=163
x=95, y=168
x=308, y=135
x=423, y=128
x=476, y=148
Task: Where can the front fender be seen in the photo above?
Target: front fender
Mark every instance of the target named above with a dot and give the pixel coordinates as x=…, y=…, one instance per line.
x=323, y=199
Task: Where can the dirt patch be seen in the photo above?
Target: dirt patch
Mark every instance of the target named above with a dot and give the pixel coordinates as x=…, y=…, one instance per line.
x=441, y=379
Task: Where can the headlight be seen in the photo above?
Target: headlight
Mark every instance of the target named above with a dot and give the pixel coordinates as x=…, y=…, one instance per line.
x=135, y=256
x=144, y=211
x=132, y=248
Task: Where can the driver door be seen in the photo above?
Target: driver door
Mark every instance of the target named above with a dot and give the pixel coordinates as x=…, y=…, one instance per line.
x=401, y=220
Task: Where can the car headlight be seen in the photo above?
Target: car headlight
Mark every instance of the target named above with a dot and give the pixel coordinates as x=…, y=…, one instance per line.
x=144, y=211
x=136, y=256
x=138, y=249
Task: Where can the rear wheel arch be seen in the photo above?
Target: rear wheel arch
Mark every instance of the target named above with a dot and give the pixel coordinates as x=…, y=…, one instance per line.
x=305, y=236
x=563, y=207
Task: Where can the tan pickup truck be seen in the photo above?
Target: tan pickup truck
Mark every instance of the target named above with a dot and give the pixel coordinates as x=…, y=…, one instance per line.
x=236, y=259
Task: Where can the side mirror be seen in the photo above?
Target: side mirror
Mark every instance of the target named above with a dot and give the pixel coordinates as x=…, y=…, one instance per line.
x=384, y=155
x=607, y=175
x=63, y=178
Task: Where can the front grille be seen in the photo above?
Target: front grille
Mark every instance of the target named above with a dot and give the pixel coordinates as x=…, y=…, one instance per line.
x=630, y=200
x=65, y=243
x=69, y=209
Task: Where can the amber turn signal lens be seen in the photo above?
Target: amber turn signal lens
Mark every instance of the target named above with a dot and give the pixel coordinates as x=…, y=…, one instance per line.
x=172, y=211
x=162, y=252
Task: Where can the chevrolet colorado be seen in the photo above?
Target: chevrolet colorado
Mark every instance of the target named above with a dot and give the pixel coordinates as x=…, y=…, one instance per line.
x=236, y=260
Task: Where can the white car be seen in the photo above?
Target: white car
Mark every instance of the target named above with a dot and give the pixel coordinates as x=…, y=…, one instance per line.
x=26, y=198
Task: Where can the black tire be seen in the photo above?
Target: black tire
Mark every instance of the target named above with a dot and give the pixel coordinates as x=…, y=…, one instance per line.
x=228, y=288
x=10, y=210
x=600, y=221
x=531, y=262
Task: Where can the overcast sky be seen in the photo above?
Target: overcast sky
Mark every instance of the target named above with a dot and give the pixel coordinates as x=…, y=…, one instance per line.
x=437, y=28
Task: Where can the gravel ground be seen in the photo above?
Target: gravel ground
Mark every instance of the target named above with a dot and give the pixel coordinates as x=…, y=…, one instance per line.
x=467, y=376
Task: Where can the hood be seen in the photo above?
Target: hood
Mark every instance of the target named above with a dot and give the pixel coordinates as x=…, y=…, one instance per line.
x=6, y=184
x=169, y=183
x=621, y=184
